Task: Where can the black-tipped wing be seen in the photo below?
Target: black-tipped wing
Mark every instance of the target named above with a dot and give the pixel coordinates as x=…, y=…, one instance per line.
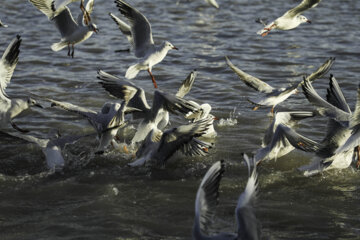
x=196, y=147
x=321, y=71
x=335, y=96
x=7, y=65
x=140, y=28
x=249, y=80
x=323, y=107
x=186, y=85
x=303, y=6
x=45, y=6
x=207, y=198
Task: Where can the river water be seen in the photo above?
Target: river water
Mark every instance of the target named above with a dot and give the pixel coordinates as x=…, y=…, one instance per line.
x=99, y=197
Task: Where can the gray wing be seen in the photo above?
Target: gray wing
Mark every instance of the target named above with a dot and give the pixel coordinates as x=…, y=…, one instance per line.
x=207, y=198
x=65, y=22
x=335, y=96
x=140, y=28
x=174, y=139
x=196, y=147
x=123, y=89
x=247, y=223
x=170, y=103
x=186, y=85
x=303, y=6
x=323, y=107
x=29, y=138
x=321, y=71
x=46, y=7
x=284, y=118
x=298, y=141
x=249, y=80
x=7, y=65
x=123, y=27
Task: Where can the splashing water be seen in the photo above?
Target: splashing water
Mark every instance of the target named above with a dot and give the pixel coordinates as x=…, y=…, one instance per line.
x=231, y=121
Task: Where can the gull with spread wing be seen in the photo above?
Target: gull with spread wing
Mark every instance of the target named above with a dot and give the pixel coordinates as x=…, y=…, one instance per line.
x=156, y=116
x=159, y=146
x=273, y=96
x=207, y=201
x=11, y=107
x=142, y=42
x=72, y=32
x=291, y=19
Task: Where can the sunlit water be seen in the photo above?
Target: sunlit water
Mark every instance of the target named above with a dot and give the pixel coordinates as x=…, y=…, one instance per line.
x=99, y=197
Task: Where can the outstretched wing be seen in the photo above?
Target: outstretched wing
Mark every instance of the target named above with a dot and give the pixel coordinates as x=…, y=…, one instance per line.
x=186, y=85
x=303, y=6
x=65, y=22
x=46, y=7
x=140, y=28
x=207, y=198
x=249, y=80
x=247, y=223
x=123, y=27
x=7, y=65
x=321, y=71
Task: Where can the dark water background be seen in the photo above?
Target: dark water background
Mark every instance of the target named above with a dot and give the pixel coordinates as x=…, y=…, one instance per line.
x=98, y=197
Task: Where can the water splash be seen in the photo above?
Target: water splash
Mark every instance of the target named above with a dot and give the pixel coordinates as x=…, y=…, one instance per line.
x=231, y=121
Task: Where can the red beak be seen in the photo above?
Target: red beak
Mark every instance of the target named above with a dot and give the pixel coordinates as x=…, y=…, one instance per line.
x=175, y=48
x=308, y=21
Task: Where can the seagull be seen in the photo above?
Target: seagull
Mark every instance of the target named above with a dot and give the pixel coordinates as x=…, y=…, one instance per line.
x=326, y=157
x=3, y=25
x=72, y=32
x=156, y=116
x=106, y=122
x=51, y=147
x=273, y=96
x=207, y=201
x=142, y=42
x=274, y=143
x=11, y=107
x=291, y=19
x=58, y=4
x=203, y=112
x=159, y=146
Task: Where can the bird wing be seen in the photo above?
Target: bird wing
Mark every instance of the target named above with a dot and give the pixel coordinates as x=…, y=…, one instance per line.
x=46, y=7
x=249, y=80
x=7, y=65
x=65, y=22
x=321, y=71
x=140, y=28
x=196, y=147
x=29, y=138
x=124, y=89
x=335, y=96
x=248, y=227
x=186, y=85
x=323, y=107
x=170, y=103
x=303, y=6
x=123, y=27
x=207, y=198
x=62, y=141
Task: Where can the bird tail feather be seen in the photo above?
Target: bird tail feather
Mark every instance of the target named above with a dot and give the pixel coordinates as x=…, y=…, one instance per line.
x=58, y=46
x=133, y=71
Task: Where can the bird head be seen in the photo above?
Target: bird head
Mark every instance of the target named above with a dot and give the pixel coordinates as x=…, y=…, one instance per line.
x=169, y=46
x=32, y=102
x=303, y=19
x=93, y=27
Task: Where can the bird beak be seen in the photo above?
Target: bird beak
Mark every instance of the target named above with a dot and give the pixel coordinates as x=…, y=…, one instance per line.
x=96, y=30
x=38, y=105
x=308, y=21
x=175, y=48
x=215, y=118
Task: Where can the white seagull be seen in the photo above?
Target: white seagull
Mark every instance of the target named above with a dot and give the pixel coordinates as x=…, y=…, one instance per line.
x=159, y=146
x=275, y=144
x=273, y=96
x=142, y=42
x=11, y=107
x=51, y=147
x=72, y=32
x=207, y=199
x=106, y=122
x=3, y=25
x=291, y=19
x=156, y=116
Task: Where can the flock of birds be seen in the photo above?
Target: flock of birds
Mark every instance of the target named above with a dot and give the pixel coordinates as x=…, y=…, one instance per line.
x=153, y=144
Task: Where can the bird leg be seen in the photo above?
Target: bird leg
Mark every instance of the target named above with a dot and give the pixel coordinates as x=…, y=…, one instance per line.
x=255, y=108
x=152, y=78
x=72, y=53
x=18, y=129
x=272, y=111
x=69, y=49
x=268, y=30
x=86, y=14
